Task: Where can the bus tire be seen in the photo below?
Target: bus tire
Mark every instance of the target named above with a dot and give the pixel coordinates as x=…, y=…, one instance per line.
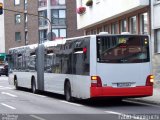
x=68, y=94
x=33, y=86
x=16, y=84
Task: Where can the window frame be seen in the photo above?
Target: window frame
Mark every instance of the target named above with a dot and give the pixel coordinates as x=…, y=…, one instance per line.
x=57, y=3
x=42, y=20
x=123, y=25
x=130, y=26
x=16, y=33
x=16, y=20
x=59, y=32
x=157, y=41
x=142, y=23
x=17, y=4
x=57, y=17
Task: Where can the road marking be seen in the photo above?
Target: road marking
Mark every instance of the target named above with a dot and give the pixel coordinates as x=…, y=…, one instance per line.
x=5, y=93
x=71, y=103
x=8, y=106
x=36, y=117
x=2, y=87
x=39, y=95
x=3, y=80
x=137, y=102
x=9, y=87
x=122, y=116
x=112, y=112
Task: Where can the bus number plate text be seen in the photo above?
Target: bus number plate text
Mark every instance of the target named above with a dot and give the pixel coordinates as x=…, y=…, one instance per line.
x=124, y=84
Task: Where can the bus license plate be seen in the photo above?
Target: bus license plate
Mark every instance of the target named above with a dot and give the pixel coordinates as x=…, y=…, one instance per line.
x=123, y=84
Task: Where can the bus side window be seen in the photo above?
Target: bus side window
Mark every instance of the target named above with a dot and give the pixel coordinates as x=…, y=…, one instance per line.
x=80, y=57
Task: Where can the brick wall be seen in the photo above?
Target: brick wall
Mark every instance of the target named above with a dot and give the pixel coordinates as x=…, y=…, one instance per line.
x=72, y=19
x=11, y=27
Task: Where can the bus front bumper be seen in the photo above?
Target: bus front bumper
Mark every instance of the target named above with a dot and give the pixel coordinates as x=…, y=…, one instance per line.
x=140, y=91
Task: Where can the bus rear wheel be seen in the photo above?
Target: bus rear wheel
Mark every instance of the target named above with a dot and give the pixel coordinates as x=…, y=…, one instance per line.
x=68, y=94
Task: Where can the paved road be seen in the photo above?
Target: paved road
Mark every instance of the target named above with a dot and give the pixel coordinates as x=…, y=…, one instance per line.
x=22, y=104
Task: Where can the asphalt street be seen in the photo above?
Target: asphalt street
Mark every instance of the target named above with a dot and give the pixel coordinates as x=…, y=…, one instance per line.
x=24, y=105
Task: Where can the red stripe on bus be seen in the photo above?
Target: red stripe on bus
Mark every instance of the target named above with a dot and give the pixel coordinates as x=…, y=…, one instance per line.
x=121, y=92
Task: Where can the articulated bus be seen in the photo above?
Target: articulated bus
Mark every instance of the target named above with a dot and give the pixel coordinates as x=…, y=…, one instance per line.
x=85, y=67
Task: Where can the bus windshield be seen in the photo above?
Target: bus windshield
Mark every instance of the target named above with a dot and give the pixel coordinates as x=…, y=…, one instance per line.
x=122, y=49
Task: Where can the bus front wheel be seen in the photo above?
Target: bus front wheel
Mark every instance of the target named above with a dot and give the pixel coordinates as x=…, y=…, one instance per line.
x=16, y=84
x=68, y=94
x=34, y=90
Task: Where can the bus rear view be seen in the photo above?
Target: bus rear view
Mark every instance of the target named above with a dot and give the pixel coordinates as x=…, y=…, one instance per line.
x=123, y=67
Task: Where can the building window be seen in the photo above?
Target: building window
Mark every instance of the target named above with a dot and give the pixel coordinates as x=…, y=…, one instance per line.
x=157, y=41
x=144, y=23
x=25, y=4
x=156, y=1
x=99, y=30
x=114, y=28
x=58, y=17
x=16, y=2
x=43, y=35
x=42, y=21
x=17, y=36
x=17, y=18
x=123, y=25
x=106, y=28
x=88, y=32
x=92, y=32
x=60, y=33
x=58, y=2
x=133, y=24
x=42, y=3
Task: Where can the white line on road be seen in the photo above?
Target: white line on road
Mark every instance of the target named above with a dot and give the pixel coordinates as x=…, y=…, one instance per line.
x=111, y=112
x=71, y=103
x=36, y=117
x=122, y=116
x=8, y=106
x=3, y=80
x=2, y=87
x=39, y=95
x=5, y=93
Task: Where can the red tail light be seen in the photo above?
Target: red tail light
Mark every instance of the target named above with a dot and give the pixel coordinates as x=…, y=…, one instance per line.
x=84, y=50
x=150, y=80
x=96, y=81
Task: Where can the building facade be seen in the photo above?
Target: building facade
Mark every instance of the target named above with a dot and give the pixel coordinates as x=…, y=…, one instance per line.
x=20, y=28
x=155, y=35
x=62, y=16
x=126, y=16
x=31, y=21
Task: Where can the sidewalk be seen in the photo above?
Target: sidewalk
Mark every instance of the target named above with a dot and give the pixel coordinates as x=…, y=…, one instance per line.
x=155, y=99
